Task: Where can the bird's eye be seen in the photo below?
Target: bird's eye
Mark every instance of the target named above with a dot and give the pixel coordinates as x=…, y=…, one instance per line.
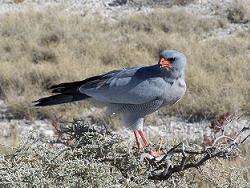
x=171, y=59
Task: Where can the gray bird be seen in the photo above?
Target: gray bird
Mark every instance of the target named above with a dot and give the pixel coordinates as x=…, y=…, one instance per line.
x=131, y=92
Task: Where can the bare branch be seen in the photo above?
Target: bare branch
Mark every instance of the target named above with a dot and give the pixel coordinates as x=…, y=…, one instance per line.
x=162, y=170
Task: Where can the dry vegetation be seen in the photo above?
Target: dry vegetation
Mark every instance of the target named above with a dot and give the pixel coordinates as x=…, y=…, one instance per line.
x=238, y=12
x=85, y=154
x=159, y=2
x=40, y=49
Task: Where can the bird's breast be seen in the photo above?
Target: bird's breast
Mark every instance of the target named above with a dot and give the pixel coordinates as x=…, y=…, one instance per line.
x=174, y=92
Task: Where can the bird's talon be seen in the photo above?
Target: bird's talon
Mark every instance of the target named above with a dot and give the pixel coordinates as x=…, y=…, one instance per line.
x=151, y=155
x=154, y=153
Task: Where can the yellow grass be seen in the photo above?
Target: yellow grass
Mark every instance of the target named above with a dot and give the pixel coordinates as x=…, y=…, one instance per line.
x=41, y=49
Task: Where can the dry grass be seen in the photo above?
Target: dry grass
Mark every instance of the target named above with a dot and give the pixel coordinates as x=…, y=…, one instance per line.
x=238, y=12
x=40, y=49
x=160, y=2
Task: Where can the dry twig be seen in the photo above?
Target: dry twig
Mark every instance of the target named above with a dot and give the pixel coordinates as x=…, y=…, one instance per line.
x=178, y=158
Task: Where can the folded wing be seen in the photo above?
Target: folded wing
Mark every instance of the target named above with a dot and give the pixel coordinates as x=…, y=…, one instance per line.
x=125, y=86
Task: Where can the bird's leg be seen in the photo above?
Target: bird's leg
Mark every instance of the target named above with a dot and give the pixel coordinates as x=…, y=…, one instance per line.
x=140, y=133
x=146, y=144
x=137, y=139
x=144, y=139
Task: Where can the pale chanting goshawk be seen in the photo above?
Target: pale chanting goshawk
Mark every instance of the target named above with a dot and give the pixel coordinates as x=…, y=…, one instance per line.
x=131, y=92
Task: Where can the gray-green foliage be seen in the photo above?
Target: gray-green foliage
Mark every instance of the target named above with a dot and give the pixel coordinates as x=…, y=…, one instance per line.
x=86, y=154
x=95, y=159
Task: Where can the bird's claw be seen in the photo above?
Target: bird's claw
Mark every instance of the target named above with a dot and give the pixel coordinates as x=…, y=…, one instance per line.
x=151, y=155
x=155, y=154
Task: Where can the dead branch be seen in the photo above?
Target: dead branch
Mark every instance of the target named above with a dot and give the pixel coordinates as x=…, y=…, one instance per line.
x=165, y=166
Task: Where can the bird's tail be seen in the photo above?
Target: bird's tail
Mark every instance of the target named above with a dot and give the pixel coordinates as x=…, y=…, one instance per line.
x=66, y=92
x=59, y=99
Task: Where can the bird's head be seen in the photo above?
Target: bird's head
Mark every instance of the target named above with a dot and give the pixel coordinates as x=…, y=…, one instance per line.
x=172, y=60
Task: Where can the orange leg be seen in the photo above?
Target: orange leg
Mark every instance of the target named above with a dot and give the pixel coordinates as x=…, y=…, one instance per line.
x=145, y=142
x=137, y=139
x=144, y=139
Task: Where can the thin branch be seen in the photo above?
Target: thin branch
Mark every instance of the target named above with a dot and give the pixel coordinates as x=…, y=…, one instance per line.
x=220, y=151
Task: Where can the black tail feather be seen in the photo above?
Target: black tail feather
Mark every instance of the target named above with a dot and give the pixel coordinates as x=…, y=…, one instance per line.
x=70, y=92
x=65, y=93
x=60, y=99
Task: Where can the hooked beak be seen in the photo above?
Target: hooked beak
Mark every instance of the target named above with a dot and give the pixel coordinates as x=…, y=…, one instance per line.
x=164, y=63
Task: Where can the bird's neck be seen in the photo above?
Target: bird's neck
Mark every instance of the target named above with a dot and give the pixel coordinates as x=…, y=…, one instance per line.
x=182, y=74
x=173, y=75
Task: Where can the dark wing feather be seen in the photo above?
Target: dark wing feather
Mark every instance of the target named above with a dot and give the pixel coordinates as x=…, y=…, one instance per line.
x=68, y=87
x=70, y=92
